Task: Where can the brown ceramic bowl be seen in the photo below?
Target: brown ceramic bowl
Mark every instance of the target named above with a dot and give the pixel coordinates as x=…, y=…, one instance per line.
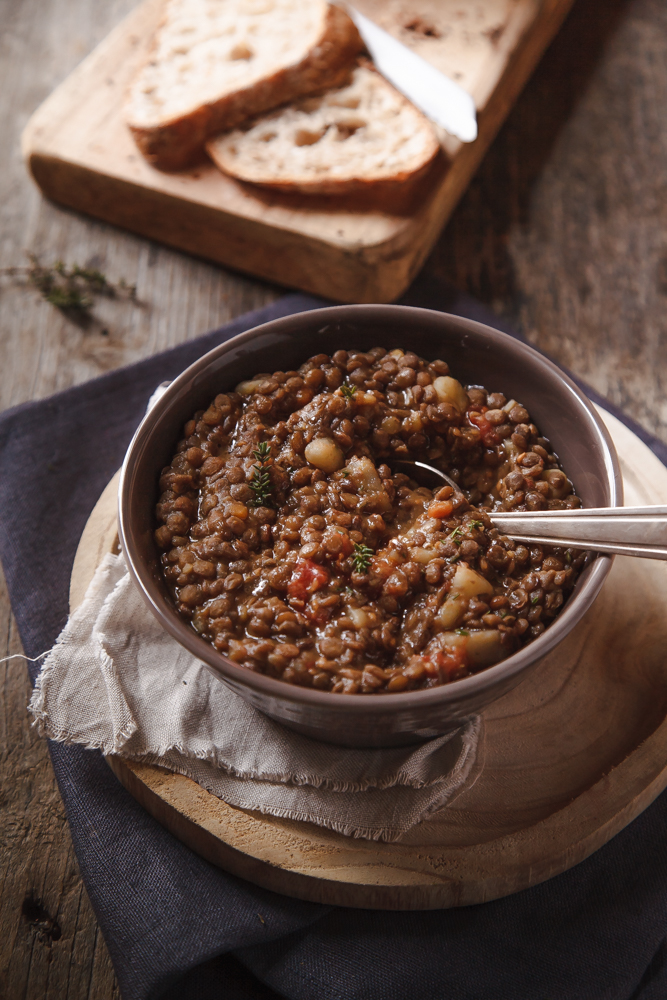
x=476, y=354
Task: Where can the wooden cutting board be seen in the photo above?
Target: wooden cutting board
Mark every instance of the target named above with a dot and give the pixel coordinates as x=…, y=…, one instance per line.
x=81, y=155
x=566, y=760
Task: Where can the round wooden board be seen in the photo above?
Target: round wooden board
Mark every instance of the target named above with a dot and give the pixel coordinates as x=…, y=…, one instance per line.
x=567, y=759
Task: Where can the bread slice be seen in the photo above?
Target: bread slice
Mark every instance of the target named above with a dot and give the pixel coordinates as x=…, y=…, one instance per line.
x=354, y=138
x=215, y=63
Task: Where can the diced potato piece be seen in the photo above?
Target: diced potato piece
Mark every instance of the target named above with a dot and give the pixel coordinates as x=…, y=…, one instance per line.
x=365, y=477
x=467, y=583
x=420, y=555
x=484, y=648
x=451, y=391
x=358, y=617
x=248, y=388
x=452, y=640
x=451, y=612
x=324, y=454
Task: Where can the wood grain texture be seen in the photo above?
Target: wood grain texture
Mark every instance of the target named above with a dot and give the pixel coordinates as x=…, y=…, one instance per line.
x=600, y=74
x=606, y=279
x=51, y=947
x=81, y=154
x=562, y=230
x=567, y=759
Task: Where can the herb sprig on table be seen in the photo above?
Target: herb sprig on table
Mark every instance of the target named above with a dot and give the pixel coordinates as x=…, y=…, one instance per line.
x=71, y=289
x=260, y=483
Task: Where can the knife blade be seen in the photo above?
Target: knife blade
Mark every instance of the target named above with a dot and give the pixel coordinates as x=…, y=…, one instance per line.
x=434, y=93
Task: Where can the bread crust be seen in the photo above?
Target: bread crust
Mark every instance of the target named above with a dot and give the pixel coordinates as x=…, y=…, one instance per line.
x=382, y=187
x=233, y=152
x=179, y=143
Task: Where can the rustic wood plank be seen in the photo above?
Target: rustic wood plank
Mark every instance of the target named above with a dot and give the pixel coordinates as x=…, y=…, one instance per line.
x=49, y=934
x=81, y=154
x=563, y=228
x=42, y=351
x=179, y=297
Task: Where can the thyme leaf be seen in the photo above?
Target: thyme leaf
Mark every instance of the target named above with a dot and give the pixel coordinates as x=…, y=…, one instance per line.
x=70, y=289
x=348, y=390
x=260, y=483
x=361, y=557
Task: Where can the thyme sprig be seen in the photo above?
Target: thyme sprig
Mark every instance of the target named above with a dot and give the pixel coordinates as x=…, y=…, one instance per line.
x=348, y=390
x=361, y=557
x=260, y=483
x=70, y=289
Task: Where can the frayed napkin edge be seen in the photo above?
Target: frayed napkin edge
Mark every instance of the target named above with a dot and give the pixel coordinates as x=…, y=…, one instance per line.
x=470, y=741
x=386, y=834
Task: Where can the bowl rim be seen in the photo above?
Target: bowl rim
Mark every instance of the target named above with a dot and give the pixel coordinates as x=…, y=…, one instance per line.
x=446, y=694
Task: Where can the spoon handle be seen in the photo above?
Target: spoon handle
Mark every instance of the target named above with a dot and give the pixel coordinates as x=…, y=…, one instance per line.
x=650, y=510
x=627, y=531
x=613, y=548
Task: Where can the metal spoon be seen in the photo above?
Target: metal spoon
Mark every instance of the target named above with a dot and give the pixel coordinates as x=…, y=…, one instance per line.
x=626, y=531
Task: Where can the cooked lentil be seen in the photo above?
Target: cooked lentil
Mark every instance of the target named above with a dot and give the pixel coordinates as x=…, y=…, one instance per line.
x=292, y=547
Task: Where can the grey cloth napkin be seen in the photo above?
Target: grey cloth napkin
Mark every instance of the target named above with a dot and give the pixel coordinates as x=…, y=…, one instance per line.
x=115, y=680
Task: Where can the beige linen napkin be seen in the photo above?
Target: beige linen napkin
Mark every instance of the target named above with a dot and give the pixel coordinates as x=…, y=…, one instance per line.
x=115, y=680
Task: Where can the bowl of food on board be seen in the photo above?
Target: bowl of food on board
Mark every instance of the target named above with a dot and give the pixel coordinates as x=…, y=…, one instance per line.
x=275, y=522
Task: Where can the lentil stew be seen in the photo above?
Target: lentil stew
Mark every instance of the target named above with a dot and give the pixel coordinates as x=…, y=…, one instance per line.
x=291, y=545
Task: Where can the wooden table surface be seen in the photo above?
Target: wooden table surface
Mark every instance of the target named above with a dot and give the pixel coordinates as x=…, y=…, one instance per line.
x=564, y=231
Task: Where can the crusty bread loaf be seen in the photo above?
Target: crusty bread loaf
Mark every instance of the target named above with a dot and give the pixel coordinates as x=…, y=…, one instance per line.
x=215, y=63
x=357, y=137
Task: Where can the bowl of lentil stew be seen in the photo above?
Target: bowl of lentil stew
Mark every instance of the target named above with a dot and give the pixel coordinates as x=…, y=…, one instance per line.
x=317, y=581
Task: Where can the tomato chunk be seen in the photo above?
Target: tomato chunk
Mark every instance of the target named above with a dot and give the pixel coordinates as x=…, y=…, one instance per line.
x=447, y=663
x=453, y=662
x=489, y=436
x=307, y=577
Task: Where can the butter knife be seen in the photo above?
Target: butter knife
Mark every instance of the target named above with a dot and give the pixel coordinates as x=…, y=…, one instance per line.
x=438, y=96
